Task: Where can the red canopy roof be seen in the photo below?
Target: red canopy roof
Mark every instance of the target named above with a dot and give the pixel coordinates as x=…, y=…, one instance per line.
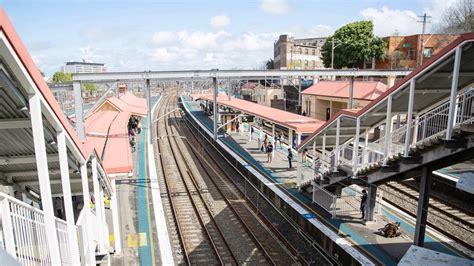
x=301, y=124
x=363, y=90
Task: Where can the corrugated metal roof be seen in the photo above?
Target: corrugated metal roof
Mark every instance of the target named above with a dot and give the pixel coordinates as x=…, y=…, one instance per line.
x=363, y=90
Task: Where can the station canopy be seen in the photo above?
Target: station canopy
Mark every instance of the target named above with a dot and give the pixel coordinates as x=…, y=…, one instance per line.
x=301, y=124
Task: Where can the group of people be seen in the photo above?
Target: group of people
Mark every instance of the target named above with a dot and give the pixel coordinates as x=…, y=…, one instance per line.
x=133, y=130
x=267, y=147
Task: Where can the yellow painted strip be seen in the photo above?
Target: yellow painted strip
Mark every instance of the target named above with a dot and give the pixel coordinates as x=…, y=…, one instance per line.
x=137, y=240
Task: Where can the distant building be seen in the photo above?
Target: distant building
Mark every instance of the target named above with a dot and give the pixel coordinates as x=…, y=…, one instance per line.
x=291, y=53
x=405, y=51
x=83, y=67
x=326, y=98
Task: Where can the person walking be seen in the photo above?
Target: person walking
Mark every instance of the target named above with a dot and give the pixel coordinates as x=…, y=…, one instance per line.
x=363, y=200
x=290, y=157
x=269, y=152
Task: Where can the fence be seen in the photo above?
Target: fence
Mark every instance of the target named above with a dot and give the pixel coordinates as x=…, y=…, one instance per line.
x=325, y=199
x=24, y=236
x=348, y=203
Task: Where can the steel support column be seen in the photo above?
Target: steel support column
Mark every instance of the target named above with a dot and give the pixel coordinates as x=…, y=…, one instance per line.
x=411, y=98
x=98, y=213
x=452, y=97
x=103, y=221
x=79, y=108
x=43, y=178
x=299, y=96
x=355, y=149
x=148, y=98
x=422, y=214
x=115, y=220
x=365, y=157
x=273, y=139
x=336, y=155
x=388, y=130
x=370, y=205
x=67, y=196
x=214, y=106
x=89, y=252
x=229, y=89
x=351, y=93
x=299, y=169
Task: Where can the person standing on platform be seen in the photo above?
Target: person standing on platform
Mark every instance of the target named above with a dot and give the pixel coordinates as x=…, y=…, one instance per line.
x=269, y=152
x=363, y=201
x=237, y=125
x=290, y=157
x=278, y=139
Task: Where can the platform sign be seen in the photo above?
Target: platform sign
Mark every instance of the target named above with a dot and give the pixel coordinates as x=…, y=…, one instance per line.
x=309, y=216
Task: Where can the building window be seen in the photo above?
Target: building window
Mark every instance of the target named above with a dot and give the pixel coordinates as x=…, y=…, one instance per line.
x=306, y=63
x=306, y=51
x=428, y=52
x=314, y=51
x=300, y=51
x=411, y=53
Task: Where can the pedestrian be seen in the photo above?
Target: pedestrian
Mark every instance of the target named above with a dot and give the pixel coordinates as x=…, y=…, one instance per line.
x=363, y=200
x=304, y=113
x=290, y=157
x=58, y=205
x=132, y=143
x=237, y=125
x=305, y=153
x=269, y=152
x=278, y=139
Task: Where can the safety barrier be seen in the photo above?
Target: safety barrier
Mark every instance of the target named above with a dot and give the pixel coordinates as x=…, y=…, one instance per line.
x=24, y=235
x=348, y=203
x=429, y=125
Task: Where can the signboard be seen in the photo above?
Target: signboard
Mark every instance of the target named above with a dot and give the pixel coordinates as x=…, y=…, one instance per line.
x=407, y=45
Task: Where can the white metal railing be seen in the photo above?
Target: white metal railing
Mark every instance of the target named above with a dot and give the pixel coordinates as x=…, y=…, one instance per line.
x=429, y=125
x=325, y=199
x=24, y=235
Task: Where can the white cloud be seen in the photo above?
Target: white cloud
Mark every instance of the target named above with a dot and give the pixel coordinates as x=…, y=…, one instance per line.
x=436, y=9
x=387, y=21
x=214, y=49
x=220, y=21
x=274, y=7
x=163, y=37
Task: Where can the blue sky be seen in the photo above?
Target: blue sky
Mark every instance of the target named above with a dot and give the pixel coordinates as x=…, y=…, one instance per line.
x=165, y=35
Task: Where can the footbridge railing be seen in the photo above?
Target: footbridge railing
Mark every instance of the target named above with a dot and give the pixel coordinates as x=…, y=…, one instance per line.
x=427, y=126
x=23, y=234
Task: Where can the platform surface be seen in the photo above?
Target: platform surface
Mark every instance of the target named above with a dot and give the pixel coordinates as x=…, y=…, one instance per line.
x=387, y=251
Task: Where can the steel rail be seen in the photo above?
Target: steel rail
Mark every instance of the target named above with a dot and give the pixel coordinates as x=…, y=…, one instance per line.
x=307, y=237
x=198, y=190
x=193, y=203
x=232, y=208
x=170, y=198
x=272, y=228
x=431, y=224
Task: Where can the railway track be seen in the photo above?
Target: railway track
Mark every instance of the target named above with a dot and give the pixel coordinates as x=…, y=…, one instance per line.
x=453, y=222
x=289, y=233
x=212, y=224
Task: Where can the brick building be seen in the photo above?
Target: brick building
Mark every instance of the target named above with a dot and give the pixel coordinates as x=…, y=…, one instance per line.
x=291, y=53
x=405, y=51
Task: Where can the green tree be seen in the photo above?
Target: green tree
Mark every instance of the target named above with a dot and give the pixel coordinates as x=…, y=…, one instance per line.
x=62, y=77
x=269, y=64
x=355, y=43
x=459, y=18
x=89, y=87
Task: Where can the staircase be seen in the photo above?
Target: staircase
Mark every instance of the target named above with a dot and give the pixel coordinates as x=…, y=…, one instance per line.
x=427, y=134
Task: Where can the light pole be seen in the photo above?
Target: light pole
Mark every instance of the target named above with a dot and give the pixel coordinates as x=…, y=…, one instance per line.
x=332, y=50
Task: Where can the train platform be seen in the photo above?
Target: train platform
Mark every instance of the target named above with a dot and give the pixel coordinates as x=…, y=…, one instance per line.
x=360, y=234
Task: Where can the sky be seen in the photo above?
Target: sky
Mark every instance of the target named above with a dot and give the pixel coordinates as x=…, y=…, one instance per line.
x=196, y=34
